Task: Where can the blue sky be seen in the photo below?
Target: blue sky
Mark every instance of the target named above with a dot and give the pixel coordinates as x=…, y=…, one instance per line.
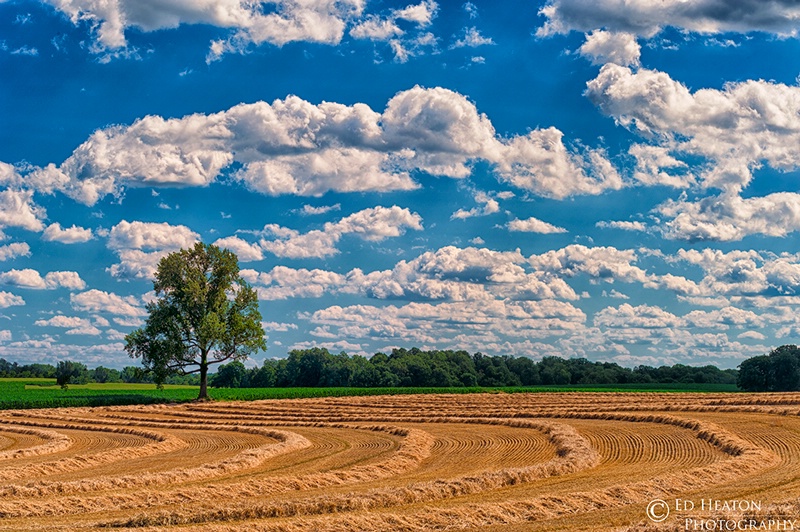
x=610, y=180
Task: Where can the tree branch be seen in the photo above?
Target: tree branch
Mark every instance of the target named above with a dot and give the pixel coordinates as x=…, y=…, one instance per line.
x=218, y=360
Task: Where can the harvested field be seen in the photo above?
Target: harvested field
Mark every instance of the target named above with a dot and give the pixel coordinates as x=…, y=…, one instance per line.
x=567, y=461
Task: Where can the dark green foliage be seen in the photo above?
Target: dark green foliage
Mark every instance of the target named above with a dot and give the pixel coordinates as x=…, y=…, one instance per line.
x=413, y=368
x=36, y=371
x=71, y=372
x=316, y=367
x=233, y=375
x=493, y=371
x=135, y=374
x=680, y=373
x=205, y=314
x=101, y=374
x=525, y=369
x=777, y=372
x=263, y=377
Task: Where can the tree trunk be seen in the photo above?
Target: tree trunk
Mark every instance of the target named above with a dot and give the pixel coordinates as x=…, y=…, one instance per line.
x=203, y=379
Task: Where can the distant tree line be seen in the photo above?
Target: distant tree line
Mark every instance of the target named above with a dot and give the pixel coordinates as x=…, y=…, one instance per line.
x=27, y=371
x=779, y=371
x=78, y=373
x=316, y=367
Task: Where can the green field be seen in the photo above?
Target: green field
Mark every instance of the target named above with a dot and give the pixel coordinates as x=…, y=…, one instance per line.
x=44, y=393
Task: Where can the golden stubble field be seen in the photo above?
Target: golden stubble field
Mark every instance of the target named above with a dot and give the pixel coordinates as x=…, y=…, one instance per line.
x=510, y=462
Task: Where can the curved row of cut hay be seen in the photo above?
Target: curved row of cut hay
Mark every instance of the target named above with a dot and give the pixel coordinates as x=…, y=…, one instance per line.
x=53, y=442
x=356, y=473
x=530, y=405
x=630, y=444
x=745, y=460
x=250, y=458
x=572, y=450
x=251, y=490
x=414, y=448
x=722, y=440
x=161, y=443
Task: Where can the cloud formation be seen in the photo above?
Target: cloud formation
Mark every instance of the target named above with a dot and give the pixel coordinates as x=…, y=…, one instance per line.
x=286, y=21
x=472, y=38
x=74, y=324
x=745, y=273
x=14, y=250
x=141, y=245
x=447, y=274
x=294, y=147
x=373, y=225
x=490, y=206
x=7, y=299
x=99, y=301
x=473, y=325
x=603, y=47
x=28, y=278
x=71, y=235
x=730, y=217
x=283, y=282
x=534, y=225
x=647, y=18
x=599, y=263
x=17, y=209
x=735, y=129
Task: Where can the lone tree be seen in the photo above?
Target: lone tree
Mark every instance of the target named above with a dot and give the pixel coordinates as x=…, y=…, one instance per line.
x=205, y=314
x=68, y=372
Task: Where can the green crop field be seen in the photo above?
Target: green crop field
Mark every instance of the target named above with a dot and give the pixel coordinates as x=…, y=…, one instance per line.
x=44, y=393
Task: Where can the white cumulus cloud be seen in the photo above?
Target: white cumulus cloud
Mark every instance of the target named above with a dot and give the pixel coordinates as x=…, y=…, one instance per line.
x=141, y=245
x=245, y=251
x=534, y=225
x=489, y=206
x=14, y=250
x=373, y=224
x=75, y=325
x=100, y=301
x=321, y=21
x=28, y=278
x=292, y=146
x=603, y=47
x=8, y=299
x=647, y=18
x=71, y=235
x=735, y=129
x=730, y=217
x=17, y=209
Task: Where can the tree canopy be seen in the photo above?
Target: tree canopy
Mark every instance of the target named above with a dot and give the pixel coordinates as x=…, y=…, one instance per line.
x=70, y=372
x=779, y=371
x=317, y=367
x=204, y=314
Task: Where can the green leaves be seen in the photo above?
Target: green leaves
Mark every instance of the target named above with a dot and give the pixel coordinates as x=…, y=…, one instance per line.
x=205, y=314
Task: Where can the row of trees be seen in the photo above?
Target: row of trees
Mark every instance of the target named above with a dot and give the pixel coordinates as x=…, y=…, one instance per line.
x=317, y=367
x=27, y=371
x=779, y=371
x=70, y=372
